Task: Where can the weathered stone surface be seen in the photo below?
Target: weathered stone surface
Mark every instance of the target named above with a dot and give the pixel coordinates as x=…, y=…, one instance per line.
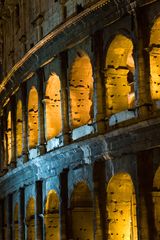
x=90, y=168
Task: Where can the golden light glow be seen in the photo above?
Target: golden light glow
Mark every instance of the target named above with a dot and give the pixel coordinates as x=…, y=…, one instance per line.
x=30, y=219
x=156, y=201
x=9, y=138
x=16, y=228
x=33, y=118
x=82, y=212
x=155, y=61
x=81, y=89
x=156, y=181
x=19, y=128
x=119, y=76
x=121, y=208
x=52, y=223
x=53, y=107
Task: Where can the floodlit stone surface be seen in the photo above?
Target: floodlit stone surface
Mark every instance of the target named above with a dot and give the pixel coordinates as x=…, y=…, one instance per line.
x=9, y=138
x=33, y=118
x=81, y=90
x=79, y=120
x=52, y=221
x=121, y=208
x=19, y=136
x=53, y=107
x=30, y=211
x=154, y=60
x=156, y=200
x=82, y=212
x=119, y=75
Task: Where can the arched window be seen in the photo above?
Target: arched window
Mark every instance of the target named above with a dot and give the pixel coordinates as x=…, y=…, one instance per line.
x=33, y=118
x=155, y=60
x=30, y=219
x=156, y=201
x=82, y=212
x=119, y=75
x=81, y=90
x=9, y=138
x=121, y=208
x=19, y=128
x=52, y=223
x=53, y=107
x=16, y=224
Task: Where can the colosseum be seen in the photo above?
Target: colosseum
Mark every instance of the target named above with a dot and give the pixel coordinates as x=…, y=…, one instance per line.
x=79, y=119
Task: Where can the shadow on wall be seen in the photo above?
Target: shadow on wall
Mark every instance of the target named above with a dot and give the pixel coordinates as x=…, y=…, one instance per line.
x=82, y=212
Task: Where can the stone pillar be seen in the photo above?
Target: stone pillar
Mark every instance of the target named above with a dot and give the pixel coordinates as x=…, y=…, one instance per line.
x=13, y=133
x=146, y=223
x=100, y=231
x=1, y=145
x=142, y=64
x=39, y=211
x=22, y=214
x=9, y=209
x=41, y=135
x=64, y=224
x=2, y=220
x=24, y=122
x=99, y=84
x=5, y=153
x=65, y=97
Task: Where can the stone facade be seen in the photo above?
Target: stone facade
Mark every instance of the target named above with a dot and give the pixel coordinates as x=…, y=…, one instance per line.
x=79, y=120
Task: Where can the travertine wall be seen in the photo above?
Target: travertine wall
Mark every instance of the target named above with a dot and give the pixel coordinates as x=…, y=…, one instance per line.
x=91, y=177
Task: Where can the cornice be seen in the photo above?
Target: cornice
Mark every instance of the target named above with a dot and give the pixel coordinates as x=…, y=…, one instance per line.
x=120, y=4
x=50, y=37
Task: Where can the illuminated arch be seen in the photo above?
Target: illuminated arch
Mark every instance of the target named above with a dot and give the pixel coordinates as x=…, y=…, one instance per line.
x=16, y=223
x=121, y=208
x=19, y=128
x=9, y=138
x=52, y=223
x=30, y=219
x=33, y=117
x=82, y=212
x=53, y=107
x=81, y=89
x=119, y=76
x=155, y=60
x=156, y=201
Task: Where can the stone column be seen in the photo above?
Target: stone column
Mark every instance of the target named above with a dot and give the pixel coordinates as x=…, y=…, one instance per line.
x=22, y=214
x=65, y=97
x=1, y=145
x=13, y=133
x=24, y=122
x=100, y=231
x=39, y=211
x=9, y=210
x=2, y=220
x=99, y=83
x=5, y=154
x=41, y=142
x=146, y=223
x=142, y=63
x=64, y=224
